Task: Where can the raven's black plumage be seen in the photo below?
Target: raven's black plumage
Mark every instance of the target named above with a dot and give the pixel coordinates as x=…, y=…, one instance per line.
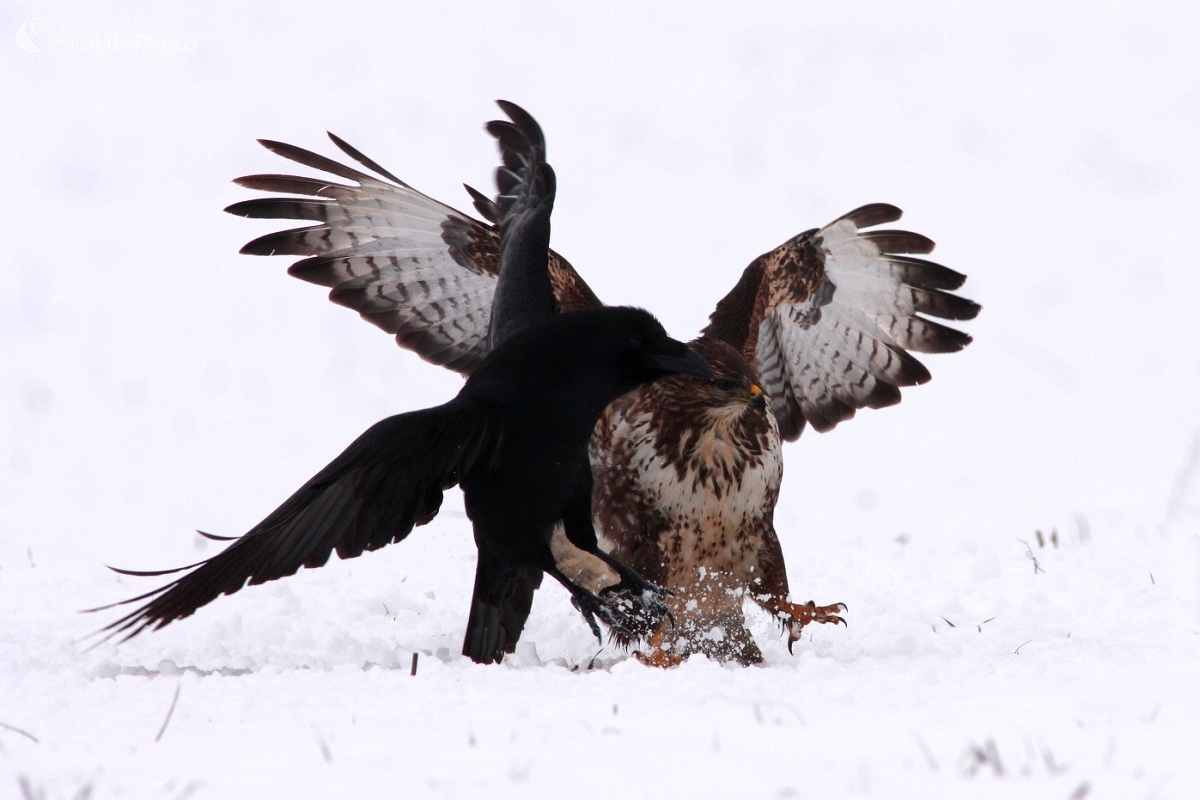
x=503, y=592
x=526, y=186
x=515, y=438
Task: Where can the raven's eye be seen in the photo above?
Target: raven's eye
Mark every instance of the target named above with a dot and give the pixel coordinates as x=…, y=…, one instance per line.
x=636, y=342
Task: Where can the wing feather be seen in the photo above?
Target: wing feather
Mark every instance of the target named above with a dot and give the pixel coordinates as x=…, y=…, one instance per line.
x=829, y=318
x=410, y=265
x=385, y=483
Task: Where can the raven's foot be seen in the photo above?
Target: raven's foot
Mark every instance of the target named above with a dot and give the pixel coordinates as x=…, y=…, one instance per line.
x=629, y=613
x=640, y=603
x=631, y=609
x=616, y=615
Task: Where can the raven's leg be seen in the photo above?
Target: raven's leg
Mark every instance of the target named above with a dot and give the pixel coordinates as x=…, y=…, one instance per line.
x=633, y=588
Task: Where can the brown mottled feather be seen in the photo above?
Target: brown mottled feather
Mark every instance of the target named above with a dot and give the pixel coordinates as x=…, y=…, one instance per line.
x=410, y=265
x=829, y=315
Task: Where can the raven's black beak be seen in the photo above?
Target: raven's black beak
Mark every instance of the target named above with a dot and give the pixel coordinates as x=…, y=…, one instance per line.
x=676, y=358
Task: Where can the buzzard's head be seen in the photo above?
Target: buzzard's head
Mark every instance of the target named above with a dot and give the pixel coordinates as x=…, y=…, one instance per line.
x=733, y=393
x=720, y=434
x=726, y=418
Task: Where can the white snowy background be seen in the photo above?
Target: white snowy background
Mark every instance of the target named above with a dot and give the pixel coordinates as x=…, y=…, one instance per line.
x=154, y=382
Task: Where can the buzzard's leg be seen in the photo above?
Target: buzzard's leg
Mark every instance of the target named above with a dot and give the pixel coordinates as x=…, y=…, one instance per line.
x=770, y=591
x=658, y=656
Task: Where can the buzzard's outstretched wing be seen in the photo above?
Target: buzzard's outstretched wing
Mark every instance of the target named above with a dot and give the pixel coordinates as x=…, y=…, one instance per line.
x=415, y=267
x=830, y=315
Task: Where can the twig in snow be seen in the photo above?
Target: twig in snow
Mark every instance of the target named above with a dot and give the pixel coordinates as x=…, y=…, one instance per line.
x=985, y=755
x=1083, y=528
x=1183, y=476
x=413, y=669
x=21, y=731
x=1017, y=652
x=1029, y=554
x=27, y=790
x=1052, y=765
x=1081, y=791
x=170, y=711
x=326, y=753
x=926, y=751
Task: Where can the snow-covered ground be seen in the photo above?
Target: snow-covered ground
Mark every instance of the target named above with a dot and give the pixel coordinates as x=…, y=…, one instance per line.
x=1017, y=542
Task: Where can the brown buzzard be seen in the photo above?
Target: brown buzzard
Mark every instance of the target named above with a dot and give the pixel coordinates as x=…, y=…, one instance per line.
x=686, y=473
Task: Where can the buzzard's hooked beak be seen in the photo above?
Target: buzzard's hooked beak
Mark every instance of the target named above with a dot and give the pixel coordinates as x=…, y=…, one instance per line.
x=676, y=358
x=756, y=397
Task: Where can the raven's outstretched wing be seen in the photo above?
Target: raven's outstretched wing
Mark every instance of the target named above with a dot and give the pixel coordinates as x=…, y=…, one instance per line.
x=415, y=267
x=829, y=317
x=389, y=480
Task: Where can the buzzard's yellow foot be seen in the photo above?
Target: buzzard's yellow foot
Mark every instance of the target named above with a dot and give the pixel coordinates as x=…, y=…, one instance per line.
x=658, y=656
x=801, y=614
x=811, y=612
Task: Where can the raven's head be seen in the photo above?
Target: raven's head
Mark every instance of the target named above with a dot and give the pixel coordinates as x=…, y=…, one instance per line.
x=594, y=355
x=657, y=355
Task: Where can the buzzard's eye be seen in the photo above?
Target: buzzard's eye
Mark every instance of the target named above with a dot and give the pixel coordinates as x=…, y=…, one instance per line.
x=725, y=385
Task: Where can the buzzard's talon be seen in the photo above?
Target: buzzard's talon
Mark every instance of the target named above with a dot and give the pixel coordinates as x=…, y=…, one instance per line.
x=658, y=655
x=796, y=615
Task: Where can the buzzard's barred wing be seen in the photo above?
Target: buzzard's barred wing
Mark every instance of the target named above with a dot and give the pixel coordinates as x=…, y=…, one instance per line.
x=415, y=267
x=387, y=482
x=830, y=315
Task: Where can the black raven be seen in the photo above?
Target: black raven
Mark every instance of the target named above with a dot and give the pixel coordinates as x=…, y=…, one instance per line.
x=515, y=439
